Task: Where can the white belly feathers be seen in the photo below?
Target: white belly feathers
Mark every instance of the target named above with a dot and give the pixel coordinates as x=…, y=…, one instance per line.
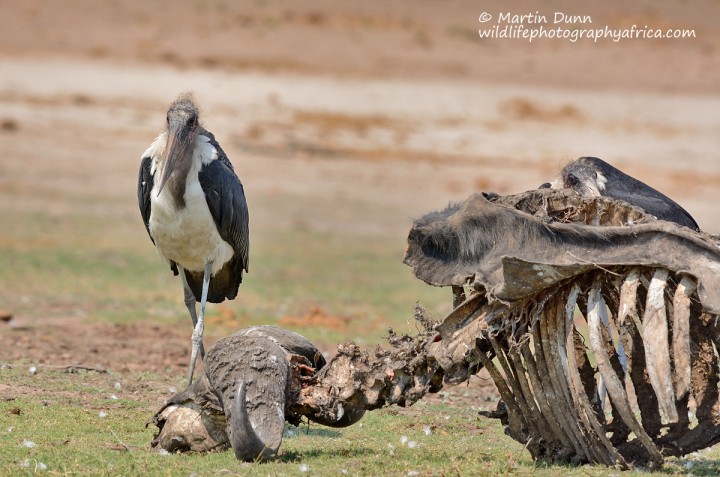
x=188, y=236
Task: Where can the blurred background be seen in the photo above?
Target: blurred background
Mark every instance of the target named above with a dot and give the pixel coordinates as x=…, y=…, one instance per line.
x=344, y=120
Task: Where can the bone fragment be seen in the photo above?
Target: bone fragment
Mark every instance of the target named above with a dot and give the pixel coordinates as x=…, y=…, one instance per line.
x=681, y=334
x=657, y=348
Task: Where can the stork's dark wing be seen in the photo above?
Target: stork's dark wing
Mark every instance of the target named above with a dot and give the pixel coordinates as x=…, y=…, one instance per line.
x=226, y=200
x=145, y=185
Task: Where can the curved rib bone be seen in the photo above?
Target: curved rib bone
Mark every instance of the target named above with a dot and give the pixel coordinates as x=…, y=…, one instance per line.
x=657, y=347
x=628, y=297
x=681, y=335
x=600, y=447
x=614, y=385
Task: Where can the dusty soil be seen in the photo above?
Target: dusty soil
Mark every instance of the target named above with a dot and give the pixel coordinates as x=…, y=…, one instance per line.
x=349, y=117
x=118, y=347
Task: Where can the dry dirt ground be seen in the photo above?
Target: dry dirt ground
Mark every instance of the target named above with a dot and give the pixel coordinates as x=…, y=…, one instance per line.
x=342, y=117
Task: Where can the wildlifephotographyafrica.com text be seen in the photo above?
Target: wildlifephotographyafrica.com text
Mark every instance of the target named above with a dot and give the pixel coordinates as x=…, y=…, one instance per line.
x=560, y=25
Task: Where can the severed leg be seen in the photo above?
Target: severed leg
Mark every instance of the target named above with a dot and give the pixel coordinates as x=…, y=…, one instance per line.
x=197, y=335
x=190, y=304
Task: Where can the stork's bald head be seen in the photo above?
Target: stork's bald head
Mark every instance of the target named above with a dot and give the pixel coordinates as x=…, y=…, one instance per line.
x=183, y=110
x=183, y=125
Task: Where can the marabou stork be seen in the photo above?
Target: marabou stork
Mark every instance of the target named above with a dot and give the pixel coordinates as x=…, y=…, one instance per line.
x=194, y=209
x=591, y=177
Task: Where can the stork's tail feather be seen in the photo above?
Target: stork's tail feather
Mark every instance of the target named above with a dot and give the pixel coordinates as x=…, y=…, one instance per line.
x=224, y=284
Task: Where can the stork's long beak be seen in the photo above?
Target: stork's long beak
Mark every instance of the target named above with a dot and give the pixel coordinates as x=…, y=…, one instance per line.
x=590, y=188
x=179, y=139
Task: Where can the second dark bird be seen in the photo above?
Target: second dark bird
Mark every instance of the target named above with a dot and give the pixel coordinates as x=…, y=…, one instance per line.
x=590, y=177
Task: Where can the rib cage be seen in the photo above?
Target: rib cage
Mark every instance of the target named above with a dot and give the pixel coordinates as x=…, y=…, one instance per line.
x=606, y=330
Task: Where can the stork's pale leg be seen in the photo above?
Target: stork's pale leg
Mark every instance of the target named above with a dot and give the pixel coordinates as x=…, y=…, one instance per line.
x=197, y=335
x=190, y=304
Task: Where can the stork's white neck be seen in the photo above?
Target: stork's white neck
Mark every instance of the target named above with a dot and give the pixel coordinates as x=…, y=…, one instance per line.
x=203, y=151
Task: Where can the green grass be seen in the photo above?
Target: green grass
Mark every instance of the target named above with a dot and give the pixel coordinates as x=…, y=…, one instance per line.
x=72, y=437
x=360, y=280
x=86, y=269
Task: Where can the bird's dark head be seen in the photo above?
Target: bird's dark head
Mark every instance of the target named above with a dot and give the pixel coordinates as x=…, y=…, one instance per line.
x=583, y=176
x=183, y=125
